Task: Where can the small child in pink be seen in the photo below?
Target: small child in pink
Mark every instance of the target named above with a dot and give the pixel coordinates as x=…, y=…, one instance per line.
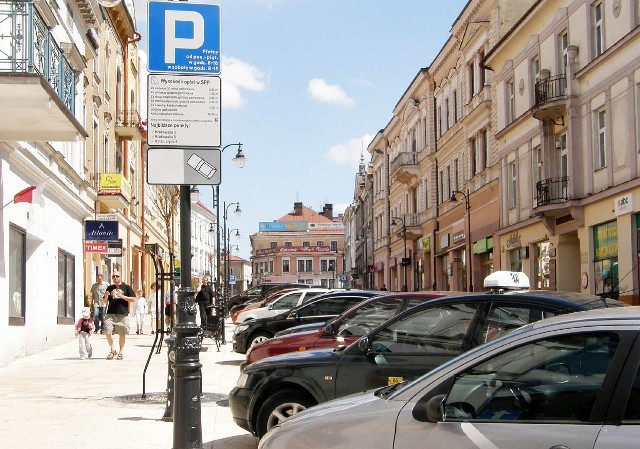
x=84, y=330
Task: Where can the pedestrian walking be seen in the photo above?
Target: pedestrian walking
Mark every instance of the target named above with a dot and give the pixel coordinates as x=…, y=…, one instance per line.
x=383, y=288
x=84, y=331
x=97, y=302
x=118, y=296
x=205, y=300
x=168, y=307
x=141, y=311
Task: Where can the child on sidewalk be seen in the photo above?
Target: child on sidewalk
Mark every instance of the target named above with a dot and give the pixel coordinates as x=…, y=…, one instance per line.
x=141, y=310
x=84, y=330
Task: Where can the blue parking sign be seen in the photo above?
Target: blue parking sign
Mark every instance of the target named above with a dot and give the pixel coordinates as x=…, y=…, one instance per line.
x=184, y=37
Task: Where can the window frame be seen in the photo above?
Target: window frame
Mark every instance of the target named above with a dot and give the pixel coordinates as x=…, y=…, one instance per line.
x=20, y=278
x=66, y=279
x=512, y=192
x=600, y=156
x=597, y=10
x=510, y=96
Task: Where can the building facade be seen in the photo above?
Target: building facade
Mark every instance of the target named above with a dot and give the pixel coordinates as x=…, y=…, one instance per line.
x=303, y=246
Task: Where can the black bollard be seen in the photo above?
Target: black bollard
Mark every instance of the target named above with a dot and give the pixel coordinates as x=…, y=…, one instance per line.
x=171, y=357
x=187, y=426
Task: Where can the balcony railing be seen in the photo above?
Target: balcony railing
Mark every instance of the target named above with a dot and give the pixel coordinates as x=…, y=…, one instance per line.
x=405, y=158
x=128, y=118
x=27, y=46
x=551, y=88
x=552, y=191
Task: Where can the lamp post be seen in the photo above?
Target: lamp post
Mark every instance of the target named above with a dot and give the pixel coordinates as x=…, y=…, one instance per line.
x=467, y=206
x=240, y=160
x=225, y=284
x=405, y=287
x=227, y=259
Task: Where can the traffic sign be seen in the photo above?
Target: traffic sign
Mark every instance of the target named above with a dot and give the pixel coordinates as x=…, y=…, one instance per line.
x=183, y=166
x=184, y=37
x=184, y=110
x=232, y=279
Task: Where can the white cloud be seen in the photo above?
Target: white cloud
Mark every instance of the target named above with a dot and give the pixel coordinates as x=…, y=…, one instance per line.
x=237, y=76
x=329, y=93
x=349, y=153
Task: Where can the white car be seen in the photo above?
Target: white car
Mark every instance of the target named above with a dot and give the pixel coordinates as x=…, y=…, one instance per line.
x=571, y=381
x=285, y=302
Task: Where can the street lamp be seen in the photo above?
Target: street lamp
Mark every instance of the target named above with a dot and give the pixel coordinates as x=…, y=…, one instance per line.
x=467, y=206
x=404, y=259
x=227, y=259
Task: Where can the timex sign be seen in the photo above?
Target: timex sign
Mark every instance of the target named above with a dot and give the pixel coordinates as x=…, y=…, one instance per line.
x=98, y=230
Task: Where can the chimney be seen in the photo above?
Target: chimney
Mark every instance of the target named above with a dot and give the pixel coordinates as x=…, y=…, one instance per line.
x=327, y=211
x=297, y=208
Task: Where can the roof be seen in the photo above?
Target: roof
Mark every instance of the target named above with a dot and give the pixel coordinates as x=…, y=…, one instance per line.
x=307, y=214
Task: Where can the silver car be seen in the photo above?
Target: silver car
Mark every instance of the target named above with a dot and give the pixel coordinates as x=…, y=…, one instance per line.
x=571, y=381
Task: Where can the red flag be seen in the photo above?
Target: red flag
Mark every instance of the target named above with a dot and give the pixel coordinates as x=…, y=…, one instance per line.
x=32, y=194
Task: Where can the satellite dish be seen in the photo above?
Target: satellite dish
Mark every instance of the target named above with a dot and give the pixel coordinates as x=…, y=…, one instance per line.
x=109, y=3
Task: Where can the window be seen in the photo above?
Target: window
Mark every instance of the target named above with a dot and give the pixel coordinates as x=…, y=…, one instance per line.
x=481, y=71
x=441, y=189
x=563, y=156
x=471, y=75
x=484, y=150
x=513, y=185
x=515, y=259
x=511, y=101
x=447, y=119
x=286, y=302
x=288, y=244
x=334, y=245
x=285, y=265
x=601, y=139
x=504, y=318
x=305, y=265
x=368, y=317
x=17, y=274
x=329, y=306
x=306, y=244
x=455, y=175
x=414, y=140
x=455, y=106
x=273, y=245
x=598, y=32
x=426, y=194
x=473, y=157
x=319, y=243
x=66, y=286
x=523, y=384
x=324, y=264
x=564, y=47
x=439, y=120
x=438, y=330
x=448, y=193
x=536, y=160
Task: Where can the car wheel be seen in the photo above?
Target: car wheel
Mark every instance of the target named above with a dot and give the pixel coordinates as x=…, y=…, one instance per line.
x=279, y=407
x=259, y=338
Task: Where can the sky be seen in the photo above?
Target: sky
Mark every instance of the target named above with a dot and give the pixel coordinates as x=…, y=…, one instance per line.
x=306, y=85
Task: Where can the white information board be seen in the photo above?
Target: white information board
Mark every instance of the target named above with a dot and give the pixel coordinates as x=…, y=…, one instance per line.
x=183, y=110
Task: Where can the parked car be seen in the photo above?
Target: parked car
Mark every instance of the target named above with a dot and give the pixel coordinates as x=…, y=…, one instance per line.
x=571, y=381
x=342, y=330
x=259, y=303
x=321, y=309
x=284, y=303
x=260, y=292
x=404, y=347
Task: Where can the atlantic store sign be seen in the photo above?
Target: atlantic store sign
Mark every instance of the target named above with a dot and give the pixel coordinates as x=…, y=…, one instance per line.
x=99, y=230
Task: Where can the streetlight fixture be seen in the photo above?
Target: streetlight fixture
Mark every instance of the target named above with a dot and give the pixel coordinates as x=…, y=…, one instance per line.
x=405, y=261
x=227, y=260
x=467, y=206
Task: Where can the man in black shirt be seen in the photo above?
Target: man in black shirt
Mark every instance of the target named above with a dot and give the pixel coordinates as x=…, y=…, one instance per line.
x=204, y=298
x=117, y=297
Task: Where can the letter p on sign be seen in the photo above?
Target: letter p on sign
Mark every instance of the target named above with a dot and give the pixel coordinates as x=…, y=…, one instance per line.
x=184, y=37
x=171, y=19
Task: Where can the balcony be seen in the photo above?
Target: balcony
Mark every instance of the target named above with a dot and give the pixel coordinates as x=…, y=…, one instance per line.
x=551, y=98
x=114, y=190
x=552, y=191
x=37, y=78
x=404, y=167
x=413, y=224
x=128, y=125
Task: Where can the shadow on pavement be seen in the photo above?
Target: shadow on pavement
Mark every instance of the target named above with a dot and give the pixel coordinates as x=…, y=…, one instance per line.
x=234, y=442
x=230, y=362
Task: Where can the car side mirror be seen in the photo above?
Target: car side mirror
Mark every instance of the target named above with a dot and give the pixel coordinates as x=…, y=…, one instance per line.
x=330, y=329
x=431, y=411
x=294, y=315
x=364, y=345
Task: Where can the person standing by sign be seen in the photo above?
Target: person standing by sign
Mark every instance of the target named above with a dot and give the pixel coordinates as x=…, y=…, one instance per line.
x=204, y=298
x=117, y=297
x=97, y=302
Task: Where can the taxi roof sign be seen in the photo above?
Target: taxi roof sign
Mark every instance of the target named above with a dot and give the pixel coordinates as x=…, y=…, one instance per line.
x=507, y=280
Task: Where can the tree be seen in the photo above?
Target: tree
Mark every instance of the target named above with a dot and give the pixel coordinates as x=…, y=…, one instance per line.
x=166, y=200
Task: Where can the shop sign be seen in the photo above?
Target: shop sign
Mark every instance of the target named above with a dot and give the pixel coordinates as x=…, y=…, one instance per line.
x=95, y=247
x=514, y=241
x=457, y=236
x=624, y=204
x=115, y=248
x=424, y=244
x=444, y=241
x=480, y=246
x=605, y=241
x=103, y=231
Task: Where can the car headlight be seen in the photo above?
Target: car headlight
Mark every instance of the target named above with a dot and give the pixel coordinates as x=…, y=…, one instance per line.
x=241, y=328
x=242, y=380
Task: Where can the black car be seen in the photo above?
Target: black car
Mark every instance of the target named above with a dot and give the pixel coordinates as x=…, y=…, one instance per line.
x=260, y=292
x=400, y=349
x=321, y=309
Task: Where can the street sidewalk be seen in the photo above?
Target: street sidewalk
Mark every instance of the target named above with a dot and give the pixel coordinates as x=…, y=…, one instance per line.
x=55, y=400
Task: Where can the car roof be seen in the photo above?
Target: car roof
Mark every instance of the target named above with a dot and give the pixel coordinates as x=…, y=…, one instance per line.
x=629, y=314
x=333, y=294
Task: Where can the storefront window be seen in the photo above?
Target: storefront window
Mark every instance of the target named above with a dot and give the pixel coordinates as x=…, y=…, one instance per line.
x=515, y=260
x=486, y=265
x=605, y=250
x=542, y=266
